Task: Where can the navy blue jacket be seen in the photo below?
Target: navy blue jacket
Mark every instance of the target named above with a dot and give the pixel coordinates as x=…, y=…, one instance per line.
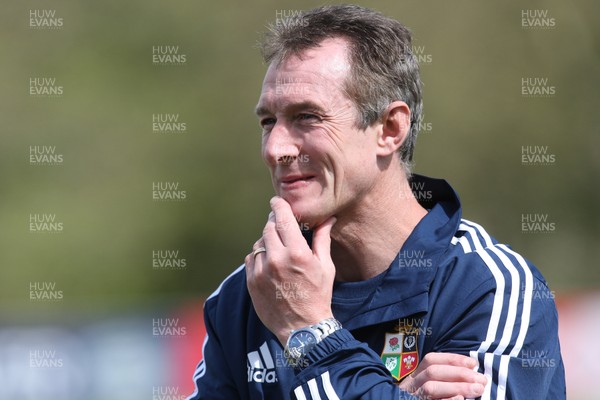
x=451, y=288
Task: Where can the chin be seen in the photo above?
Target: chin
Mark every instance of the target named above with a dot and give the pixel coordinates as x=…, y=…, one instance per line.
x=308, y=212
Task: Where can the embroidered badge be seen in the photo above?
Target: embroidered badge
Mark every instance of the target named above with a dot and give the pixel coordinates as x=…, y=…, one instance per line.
x=400, y=355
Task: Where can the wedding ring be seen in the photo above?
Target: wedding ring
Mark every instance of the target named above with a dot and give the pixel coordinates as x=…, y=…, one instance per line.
x=259, y=250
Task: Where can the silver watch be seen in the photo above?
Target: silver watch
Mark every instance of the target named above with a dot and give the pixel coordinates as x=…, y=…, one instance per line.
x=303, y=340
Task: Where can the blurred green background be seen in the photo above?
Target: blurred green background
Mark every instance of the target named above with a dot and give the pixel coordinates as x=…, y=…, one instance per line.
x=475, y=56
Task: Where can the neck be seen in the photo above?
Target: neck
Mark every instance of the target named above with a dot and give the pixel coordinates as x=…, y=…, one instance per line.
x=367, y=237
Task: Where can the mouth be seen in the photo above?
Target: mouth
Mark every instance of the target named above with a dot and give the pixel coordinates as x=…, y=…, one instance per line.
x=295, y=181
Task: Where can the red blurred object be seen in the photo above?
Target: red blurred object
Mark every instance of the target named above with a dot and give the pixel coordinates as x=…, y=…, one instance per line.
x=186, y=351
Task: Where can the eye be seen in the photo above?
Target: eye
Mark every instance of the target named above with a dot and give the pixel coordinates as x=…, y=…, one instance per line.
x=267, y=123
x=308, y=117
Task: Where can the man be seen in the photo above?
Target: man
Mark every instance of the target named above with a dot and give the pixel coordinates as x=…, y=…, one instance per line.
x=389, y=294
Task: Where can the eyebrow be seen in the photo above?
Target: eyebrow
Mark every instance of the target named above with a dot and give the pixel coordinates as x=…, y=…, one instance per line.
x=291, y=107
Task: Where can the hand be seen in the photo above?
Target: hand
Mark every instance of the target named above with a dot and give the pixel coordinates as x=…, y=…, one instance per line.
x=290, y=284
x=445, y=376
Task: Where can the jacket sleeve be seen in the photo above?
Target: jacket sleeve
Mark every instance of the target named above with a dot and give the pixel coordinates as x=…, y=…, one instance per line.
x=509, y=324
x=341, y=367
x=212, y=378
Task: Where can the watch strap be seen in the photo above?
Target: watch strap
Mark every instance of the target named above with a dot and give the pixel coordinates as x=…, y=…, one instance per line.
x=320, y=331
x=326, y=327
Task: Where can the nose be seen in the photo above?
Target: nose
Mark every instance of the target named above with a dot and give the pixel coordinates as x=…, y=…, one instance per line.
x=279, y=146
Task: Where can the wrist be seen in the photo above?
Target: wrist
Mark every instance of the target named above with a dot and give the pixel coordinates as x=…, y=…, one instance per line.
x=285, y=334
x=303, y=340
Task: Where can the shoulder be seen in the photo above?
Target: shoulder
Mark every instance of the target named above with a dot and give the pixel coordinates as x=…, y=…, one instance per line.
x=230, y=293
x=478, y=271
x=476, y=258
x=487, y=296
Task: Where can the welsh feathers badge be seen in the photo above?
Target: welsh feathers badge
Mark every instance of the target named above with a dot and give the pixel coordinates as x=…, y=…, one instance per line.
x=400, y=355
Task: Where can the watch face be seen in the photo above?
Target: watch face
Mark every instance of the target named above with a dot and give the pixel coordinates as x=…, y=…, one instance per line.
x=302, y=342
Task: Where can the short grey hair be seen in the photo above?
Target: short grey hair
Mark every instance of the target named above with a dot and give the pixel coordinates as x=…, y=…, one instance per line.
x=383, y=66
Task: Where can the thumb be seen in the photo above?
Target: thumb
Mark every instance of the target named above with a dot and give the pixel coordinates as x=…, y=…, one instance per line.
x=322, y=239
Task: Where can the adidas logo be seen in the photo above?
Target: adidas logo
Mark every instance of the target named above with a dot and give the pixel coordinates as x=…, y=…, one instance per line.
x=261, y=368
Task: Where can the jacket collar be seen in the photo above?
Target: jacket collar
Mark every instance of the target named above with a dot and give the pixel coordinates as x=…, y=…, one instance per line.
x=404, y=291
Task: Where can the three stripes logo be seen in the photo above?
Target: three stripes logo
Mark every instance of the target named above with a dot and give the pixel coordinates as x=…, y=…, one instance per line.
x=261, y=368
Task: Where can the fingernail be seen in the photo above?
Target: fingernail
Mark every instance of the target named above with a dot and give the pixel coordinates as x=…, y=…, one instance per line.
x=271, y=215
x=477, y=388
x=470, y=363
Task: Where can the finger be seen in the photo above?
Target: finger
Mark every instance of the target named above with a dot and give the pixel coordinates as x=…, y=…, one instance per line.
x=408, y=384
x=448, y=373
x=258, y=263
x=286, y=224
x=249, y=264
x=250, y=258
x=322, y=239
x=249, y=261
x=271, y=239
x=442, y=390
x=258, y=244
x=457, y=360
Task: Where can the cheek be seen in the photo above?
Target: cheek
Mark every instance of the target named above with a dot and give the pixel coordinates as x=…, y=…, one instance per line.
x=354, y=173
x=328, y=145
x=342, y=153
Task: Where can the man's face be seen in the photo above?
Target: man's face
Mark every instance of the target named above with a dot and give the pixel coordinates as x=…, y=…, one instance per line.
x=320, y=162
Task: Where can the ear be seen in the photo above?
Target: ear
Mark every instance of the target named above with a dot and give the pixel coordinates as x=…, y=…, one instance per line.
x=394, y=129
